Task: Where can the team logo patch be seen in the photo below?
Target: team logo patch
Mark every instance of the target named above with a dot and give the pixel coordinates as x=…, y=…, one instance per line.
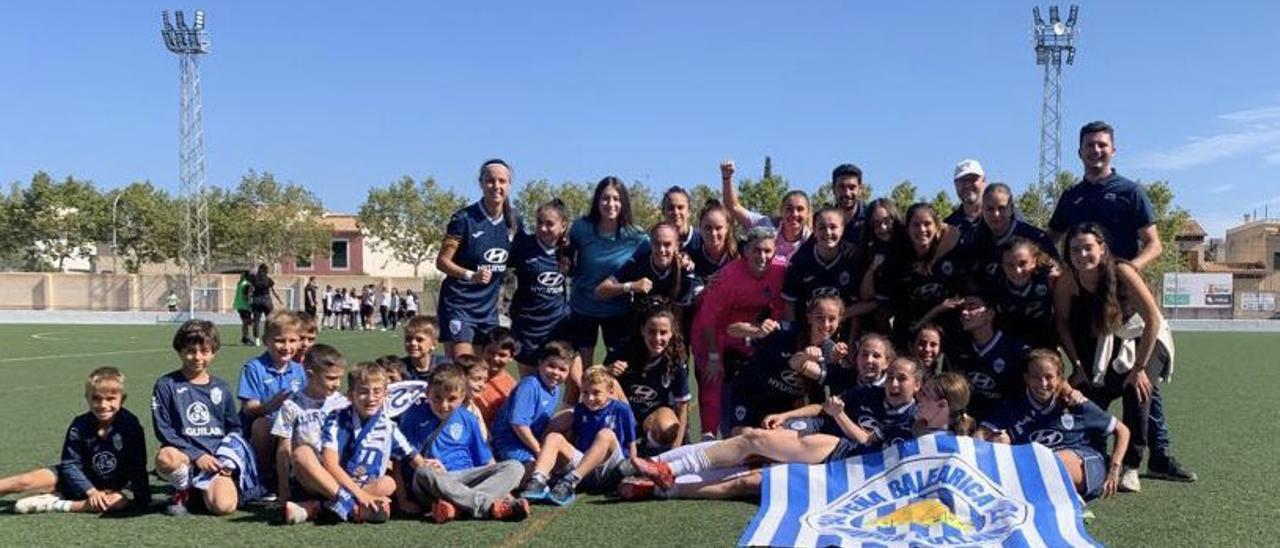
x=455, y=431
x=401, y=395
x=946, y=268
x=643, y=394
x=998, y=365
x=982, y=381
x=844, y=278
x=295, y=385
x=215, y=396
x=1041, y=290
x=117, y=442
x=924, y=501
x=495, y=255
x=104, y=462
x=455, y=326
x=551, y=279
x=197, y=414
x=740, y=412
x=1046, y=437
x=1068, y=421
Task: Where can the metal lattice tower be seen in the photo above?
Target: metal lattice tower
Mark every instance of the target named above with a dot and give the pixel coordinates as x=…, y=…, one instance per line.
x=189, y=43
x=1055, y=45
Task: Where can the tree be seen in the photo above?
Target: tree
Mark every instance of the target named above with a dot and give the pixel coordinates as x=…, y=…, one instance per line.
x=824, y=197
x=1036, y=203
x=645, y=209
x=532, y=195
x=145, y=227
x=903, y=195
x=409, y=219
x=56, y=221
x=278, y=222
x=699, y=195
x=942, y=203
x=1169, y=222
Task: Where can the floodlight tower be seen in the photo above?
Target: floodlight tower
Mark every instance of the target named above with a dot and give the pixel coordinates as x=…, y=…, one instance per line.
x=1055, y=45
x=189, y=43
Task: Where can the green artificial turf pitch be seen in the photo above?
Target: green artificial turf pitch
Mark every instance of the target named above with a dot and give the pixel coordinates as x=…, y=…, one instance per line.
x=1221, y=408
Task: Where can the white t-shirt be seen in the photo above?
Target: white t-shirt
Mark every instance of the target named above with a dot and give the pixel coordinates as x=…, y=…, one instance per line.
x=301, y=417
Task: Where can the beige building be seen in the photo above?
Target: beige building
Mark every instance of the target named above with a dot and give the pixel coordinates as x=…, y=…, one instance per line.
x=1256, y=241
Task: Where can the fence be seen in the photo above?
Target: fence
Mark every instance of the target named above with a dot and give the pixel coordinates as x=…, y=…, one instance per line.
x=124, y=292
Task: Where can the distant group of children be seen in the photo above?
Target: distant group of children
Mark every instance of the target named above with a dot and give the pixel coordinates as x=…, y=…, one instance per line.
x=366, y=308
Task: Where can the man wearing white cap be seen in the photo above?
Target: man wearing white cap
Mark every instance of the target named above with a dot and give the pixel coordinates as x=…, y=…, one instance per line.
x=970, y=181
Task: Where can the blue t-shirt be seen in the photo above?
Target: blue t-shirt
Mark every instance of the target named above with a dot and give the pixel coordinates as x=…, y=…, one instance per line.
x=541, y=299
x=615, y=416
x=112, y=461
x=640, y=265
x=192, y=418
x=1116, y=203
x=260, y=380
x=809, y=276
x=368, y=458
x=654, y=385
x=867, y=407
x=596, y=257
x=483, y=242
x=994, y=371
x=531, y=404
x=459, y=445
x=1052, y=425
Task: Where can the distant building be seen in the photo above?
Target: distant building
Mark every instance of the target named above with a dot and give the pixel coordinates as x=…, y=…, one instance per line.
x=1191, y=244
x=352, y=252
x=1256, y=241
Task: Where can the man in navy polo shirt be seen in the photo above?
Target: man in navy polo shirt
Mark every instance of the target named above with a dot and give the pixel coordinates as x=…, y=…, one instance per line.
x=1121, y=206
x=846, y=184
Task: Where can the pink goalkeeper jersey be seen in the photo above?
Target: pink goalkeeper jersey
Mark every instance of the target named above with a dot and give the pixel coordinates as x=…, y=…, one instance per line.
x=737, y=296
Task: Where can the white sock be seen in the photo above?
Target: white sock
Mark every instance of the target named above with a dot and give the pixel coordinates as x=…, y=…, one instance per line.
x=62, y=505
x=692, y=462
x=180, y=479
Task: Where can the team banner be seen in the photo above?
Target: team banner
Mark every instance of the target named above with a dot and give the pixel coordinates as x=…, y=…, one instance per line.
x=937, y=490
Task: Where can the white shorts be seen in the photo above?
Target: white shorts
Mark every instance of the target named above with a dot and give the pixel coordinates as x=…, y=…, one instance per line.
x=603, y=474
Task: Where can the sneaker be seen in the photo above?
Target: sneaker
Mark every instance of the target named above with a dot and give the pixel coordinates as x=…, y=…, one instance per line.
x=300, y=512
x=658, y=471
x=268, y=497
x=380, y=514
x=1169, y=470
x=178, y=504
x=37, y=504
x=562, y=493
x=509, y=509
x=257, y=341
x=1088, y=516
x=443, y=511
x=1129, y=481
x=636, y=489
x=535, y=490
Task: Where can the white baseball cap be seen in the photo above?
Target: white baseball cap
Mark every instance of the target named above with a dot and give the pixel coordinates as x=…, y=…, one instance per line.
x=969, y=167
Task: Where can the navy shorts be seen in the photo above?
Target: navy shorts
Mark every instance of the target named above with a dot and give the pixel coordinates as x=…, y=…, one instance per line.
x=456, y=330
x=752, y=403
x=529, y=345
x=616, y=332
x=1095, y=471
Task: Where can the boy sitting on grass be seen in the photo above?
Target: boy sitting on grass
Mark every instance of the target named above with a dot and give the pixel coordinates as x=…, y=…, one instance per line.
x=524, y=418
x=458, y=473
x=104, y=451
x=297, y=429
x=268, y=380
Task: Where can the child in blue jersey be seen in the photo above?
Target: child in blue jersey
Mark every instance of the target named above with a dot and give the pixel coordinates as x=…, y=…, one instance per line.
x=994, y=361
x=103, y=453
x=268, y=380
x=599, y=244
x=458, y=472
x=297, y=427
x=825, y=265
x=191, y=412
x=540, y=304
x=1022, y=293
x=1077, y=433
x=523, y=419
x=473, y=257
x=359, y=444
x=655, y=382
x=420, y=336
x=603, y=437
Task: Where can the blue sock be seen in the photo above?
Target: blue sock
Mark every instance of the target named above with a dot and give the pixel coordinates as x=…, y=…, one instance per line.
x=344, y=504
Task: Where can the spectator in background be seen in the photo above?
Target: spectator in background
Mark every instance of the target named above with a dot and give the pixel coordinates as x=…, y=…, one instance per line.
x=262, y=293
x=310, y=297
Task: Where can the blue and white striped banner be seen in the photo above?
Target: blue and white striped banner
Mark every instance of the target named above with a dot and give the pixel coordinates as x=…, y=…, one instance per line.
x=935, y=490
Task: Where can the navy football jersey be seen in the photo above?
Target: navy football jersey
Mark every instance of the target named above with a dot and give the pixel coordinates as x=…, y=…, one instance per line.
x=652, y=386
x=1053, y=425
x=193, y=418
x=912, y=293
x=703, y=266
x=986, y=253
x=1026, y=312
x=541, y=298
x=867, y=407
x=640, y=265
x=855, y=225
x=769, y=371
x=484, y=242
x=994, y=371
x=112, y=461
x=808, y=276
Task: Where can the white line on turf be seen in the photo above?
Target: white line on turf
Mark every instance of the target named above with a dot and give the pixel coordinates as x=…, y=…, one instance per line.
x=83, y=355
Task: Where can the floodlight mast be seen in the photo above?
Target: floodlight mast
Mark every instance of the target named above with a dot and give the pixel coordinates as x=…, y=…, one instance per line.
x=1055, y=44
x=189, y=43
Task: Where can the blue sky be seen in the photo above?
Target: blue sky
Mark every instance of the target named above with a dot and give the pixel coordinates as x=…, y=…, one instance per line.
x=344, y=97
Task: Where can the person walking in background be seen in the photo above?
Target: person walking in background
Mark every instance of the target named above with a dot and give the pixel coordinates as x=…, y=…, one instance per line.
x=262, y=293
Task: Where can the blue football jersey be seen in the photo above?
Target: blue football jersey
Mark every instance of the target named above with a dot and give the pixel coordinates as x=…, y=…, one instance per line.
x=1053, y=425
x=368, y=458
x=459, y=443
x=994, y=371
x=192, y=417
x=769, y=370
x=115, y=460
x=615, y=416
x=986, y=254
x=1026, y=312
x=654, y=385
x=809, y=276
x=484, y=242
x=530, y=404
x=541, y=299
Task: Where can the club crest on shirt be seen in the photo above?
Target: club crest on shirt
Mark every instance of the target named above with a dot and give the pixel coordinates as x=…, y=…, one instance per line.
x=844, y=278
x=455, y=326
x=1068, y=421
x=117, y=442
x=215, y=396
x=104, y=462
x=905, y=503
x=197, y=414
x=998, y=365
x=455, y=431
x=1041, y=290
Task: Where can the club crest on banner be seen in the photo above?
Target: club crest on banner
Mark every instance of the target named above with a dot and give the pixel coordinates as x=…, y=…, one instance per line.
x=401, y=395
x=924, y=500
